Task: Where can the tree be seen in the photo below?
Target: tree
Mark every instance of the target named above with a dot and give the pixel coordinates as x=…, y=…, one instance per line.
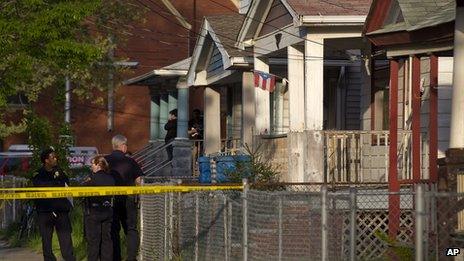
x=44, y=41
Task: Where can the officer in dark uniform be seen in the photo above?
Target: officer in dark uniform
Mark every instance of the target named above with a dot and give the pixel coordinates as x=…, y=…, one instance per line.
x=53, y=213
x=99, y=214
x=126, y=173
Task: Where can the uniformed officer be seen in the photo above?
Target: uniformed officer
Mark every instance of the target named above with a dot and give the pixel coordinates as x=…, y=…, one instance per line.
x=99, y=214
x=126, y=173
x=53, y=213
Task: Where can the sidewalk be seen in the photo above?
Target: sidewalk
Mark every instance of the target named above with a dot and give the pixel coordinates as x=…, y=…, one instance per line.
x=17, y=253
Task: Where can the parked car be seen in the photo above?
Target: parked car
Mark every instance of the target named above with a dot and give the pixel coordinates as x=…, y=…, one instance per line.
x=18, y=157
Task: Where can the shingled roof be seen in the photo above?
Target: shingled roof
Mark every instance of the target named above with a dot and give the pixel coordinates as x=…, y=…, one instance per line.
x=421, y=14
x=330, y=7
x=226, y=28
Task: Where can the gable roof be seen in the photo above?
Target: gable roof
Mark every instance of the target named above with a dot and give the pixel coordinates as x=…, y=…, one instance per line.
x=330, y=7
x=218, y=32
x=226, y=28
x=416, y=14
x=305, y=12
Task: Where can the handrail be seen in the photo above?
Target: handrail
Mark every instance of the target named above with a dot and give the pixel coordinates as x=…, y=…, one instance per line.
x=140, y=151
x=167, y=163
x=156, y=150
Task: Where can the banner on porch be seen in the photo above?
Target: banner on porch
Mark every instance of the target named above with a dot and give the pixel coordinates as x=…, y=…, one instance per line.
x=264, y=81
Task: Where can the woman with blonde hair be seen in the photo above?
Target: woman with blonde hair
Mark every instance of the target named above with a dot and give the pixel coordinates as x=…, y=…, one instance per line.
x=99, y=214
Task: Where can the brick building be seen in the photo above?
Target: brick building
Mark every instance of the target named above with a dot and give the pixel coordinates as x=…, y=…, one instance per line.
x=160, y=41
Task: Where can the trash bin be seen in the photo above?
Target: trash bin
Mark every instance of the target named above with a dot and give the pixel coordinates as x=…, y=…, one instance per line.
x=224, y=165
x=205, y=170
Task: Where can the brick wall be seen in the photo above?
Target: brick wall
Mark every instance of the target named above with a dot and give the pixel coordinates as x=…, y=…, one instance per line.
x=132, y=103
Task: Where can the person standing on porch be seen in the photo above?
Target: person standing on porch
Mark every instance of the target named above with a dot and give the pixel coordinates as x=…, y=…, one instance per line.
x=171, y=134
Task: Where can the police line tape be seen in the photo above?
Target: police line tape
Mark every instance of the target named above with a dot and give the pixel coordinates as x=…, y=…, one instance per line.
x=67, y=192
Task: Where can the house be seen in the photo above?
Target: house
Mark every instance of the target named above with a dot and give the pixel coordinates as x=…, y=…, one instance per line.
x=223, y=72
x=418, y=40
x=311, y=126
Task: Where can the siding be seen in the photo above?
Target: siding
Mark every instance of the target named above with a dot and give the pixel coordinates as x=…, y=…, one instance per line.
x=215, y=64
x=445, y=84
x=277, y=17
x=353, y=98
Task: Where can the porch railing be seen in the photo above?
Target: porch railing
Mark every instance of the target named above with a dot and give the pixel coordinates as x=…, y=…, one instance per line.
x=363, y=156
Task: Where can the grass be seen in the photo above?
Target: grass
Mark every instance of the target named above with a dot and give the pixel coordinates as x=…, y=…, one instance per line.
x=35, y=241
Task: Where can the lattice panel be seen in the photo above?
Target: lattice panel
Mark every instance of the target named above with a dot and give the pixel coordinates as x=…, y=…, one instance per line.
x=370, y=223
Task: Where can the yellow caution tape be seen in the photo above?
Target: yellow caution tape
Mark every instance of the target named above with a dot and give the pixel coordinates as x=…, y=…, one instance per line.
x=66, y=192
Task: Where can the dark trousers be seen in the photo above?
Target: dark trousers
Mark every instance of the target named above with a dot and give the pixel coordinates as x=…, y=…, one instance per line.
x=59, y=221
x=169, y=150
x=98, y=234
x=125, y=215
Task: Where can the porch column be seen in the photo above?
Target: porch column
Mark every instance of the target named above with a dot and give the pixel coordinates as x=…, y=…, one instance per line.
x=248, y=108
x=433, y=120
x=163, y=114
x=457, y=101
x=154, y=116
x=212, y=121
x=416, y=110
x=296, y=88
x=296, y=137
x=367, y=77
x=182, y=109
x=182, y=146
x=393, y=184
x=455, y=155
x=172, y=100
x=314, y=60
x=314, y=94
x=262, y=103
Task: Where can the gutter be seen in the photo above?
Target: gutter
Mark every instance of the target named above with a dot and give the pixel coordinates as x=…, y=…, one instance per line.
x=319, y=20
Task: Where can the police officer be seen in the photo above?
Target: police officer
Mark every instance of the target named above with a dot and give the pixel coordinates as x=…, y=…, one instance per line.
x=53, y=213
x=126, y=173
x=99, y=214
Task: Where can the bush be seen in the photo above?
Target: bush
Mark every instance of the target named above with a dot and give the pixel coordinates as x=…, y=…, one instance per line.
x=257, y=170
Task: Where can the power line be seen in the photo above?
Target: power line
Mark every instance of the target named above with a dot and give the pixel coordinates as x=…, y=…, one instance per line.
x=281, y=30
x=226, y=37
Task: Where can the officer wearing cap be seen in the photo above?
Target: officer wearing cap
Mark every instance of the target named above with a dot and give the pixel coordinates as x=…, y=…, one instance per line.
x=53, y=213
x=99, y=214
x=126, y=173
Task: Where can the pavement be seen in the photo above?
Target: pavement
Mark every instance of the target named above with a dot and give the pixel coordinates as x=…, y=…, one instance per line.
x=17, y=253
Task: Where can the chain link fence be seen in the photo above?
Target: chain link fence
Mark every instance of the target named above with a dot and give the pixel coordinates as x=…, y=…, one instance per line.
x=302, y=222
x=10, y=210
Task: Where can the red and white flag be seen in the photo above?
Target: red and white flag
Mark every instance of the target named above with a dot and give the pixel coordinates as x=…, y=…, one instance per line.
x=264, y=81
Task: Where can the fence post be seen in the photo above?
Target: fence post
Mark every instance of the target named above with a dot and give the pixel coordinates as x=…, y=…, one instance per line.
x=324, y=242
x=197, y=224
x=419, y=211
x=142, y=232
x=353, y=217
x=4, y=205
x=245, y=220
x=166, y=217
x=171, y=225
x=280, y=228
x=14, y=202
x=226, y=229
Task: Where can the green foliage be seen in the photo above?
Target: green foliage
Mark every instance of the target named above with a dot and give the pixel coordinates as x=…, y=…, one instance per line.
x=257, y=170
x=396, y=249
x=42, y=135
x=44, y=41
